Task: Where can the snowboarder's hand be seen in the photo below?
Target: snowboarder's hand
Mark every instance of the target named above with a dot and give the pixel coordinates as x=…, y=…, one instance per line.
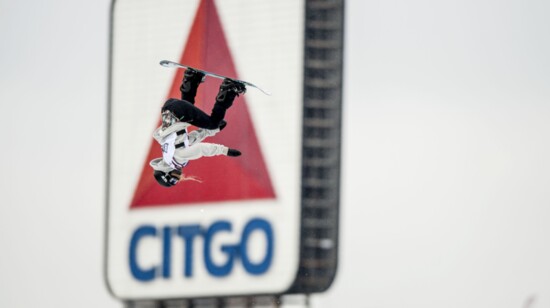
x=222, y=125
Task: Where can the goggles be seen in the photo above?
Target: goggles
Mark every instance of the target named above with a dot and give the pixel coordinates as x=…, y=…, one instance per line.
x=167, y=179
x=173, y=177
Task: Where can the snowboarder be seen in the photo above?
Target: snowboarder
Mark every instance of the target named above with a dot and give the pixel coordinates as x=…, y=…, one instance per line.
x=177, y=144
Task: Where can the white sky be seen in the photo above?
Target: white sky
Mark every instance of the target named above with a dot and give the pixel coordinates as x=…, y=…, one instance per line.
x=445, y=185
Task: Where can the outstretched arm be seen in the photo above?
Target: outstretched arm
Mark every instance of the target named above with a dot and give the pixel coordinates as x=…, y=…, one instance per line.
x=199, y=135
x=199, y=150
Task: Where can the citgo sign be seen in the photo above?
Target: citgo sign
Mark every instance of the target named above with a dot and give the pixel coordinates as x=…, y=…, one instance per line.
x=188, y=233
x=237, y=231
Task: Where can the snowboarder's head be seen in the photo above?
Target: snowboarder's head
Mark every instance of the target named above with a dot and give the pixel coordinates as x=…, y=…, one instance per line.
x=167, y=179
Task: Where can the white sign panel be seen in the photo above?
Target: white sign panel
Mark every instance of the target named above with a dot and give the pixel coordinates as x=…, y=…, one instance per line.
x=233, y=227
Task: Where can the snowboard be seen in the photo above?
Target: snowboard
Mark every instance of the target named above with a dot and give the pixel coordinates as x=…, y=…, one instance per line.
x=167, y=63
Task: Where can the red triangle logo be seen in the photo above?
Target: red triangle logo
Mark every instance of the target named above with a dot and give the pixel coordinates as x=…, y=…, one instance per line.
x=223, y=178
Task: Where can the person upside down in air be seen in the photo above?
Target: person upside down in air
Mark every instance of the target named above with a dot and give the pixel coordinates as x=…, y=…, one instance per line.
x=180, y=146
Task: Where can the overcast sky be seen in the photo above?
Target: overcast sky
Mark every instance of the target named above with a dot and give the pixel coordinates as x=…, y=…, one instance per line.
x=445, y=197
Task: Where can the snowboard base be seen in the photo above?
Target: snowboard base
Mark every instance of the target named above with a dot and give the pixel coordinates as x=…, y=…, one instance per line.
x=167, y=63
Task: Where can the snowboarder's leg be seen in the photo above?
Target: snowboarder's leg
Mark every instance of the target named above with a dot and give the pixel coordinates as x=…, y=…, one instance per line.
x=190, y=84
x=185, y=111
x=229, y=90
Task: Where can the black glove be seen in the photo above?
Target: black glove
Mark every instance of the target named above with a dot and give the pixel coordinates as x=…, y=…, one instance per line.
x=222, y=125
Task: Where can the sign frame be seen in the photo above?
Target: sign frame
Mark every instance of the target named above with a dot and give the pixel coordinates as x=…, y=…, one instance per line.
x=320, y=173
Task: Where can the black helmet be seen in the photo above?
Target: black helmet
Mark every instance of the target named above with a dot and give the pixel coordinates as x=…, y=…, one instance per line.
x=166, y=179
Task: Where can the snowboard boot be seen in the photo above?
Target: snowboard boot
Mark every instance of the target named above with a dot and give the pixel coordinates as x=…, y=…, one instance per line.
x=234, y=86
x=229, y=89
x=190, y=84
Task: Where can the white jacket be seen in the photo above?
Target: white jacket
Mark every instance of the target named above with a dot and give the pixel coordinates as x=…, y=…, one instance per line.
x=190, y=146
